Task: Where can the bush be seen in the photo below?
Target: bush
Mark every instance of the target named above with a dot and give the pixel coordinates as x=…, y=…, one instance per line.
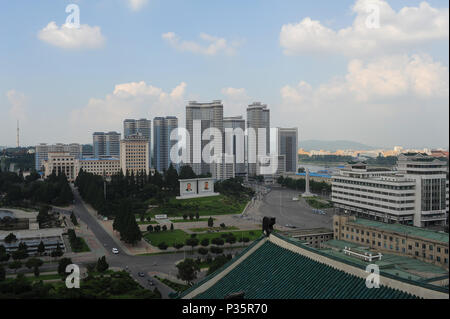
x=205, y=242
x=216, y=250
x=222, y=225
x=202, y=251
x=163, y=246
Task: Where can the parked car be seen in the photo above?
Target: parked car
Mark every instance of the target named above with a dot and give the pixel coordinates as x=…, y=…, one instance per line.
x=115, y=251
x=141, y=274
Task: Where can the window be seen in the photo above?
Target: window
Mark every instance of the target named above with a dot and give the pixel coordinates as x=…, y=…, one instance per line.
x=431, y=247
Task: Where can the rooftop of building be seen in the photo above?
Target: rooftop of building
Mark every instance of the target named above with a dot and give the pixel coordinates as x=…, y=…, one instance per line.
x=303, y=232
x=277, y=267
x=404, y=230
x=396, y=265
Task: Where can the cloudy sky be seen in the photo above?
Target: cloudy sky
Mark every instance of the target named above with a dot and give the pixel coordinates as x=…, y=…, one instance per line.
x=370, y=71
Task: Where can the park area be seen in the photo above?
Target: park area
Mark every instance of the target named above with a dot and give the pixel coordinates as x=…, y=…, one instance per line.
x=172, y=237
x=204, y=206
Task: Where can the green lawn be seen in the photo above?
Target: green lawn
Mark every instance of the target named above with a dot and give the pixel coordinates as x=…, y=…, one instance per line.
x=179, y=236
x=189, y=220
x=317, y=203
x=152, y=222
x=205, y=206
x=175, y=286
x=84, y=248
x=198, y=230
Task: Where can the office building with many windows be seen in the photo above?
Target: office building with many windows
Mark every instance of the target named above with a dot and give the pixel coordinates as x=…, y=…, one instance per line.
x=234, y=128
x=287, y=145
x=258, y=124
x=42, y=151
x=134, y=155
x=106, y=144
x=200, y=117
x=162, y=144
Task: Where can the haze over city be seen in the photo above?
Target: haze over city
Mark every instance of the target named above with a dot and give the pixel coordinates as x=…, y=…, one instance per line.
x=317, y=67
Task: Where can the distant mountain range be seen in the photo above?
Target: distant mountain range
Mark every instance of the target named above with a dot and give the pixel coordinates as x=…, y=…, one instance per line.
x=333, y=146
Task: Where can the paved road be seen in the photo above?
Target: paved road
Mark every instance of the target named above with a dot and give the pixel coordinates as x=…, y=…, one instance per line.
x=279, y=204
x=134, y=264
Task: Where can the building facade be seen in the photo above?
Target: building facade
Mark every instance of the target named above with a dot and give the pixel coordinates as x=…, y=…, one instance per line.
x=206, y=116
x=42, y=151
x=287, y=145
x=134, y=154
x=98, y=166
x=60, y=163
x=427, y=245
x=223, y=167
x=430, y=175
x=376, y=193
x=106, y=144
x=162, y=144
x=258, y=121
x=234, y=128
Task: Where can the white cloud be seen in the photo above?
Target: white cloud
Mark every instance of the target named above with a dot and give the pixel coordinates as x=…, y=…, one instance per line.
x=212, y=45
x=18, y=105
x=397, y=98
x=136, y=5
x=67, y=37
x=128, y=100
x=235, y=102
x=407, y=28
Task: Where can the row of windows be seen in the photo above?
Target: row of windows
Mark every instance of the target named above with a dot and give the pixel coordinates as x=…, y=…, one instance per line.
x=376, y=185
x=375, y=198
x=358, y=189
x=371, y=204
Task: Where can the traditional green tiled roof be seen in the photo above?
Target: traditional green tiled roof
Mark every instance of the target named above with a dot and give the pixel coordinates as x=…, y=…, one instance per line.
x=404, y=229
x=273, y=272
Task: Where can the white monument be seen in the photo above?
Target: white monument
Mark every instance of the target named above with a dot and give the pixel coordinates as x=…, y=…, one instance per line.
x=307, y=193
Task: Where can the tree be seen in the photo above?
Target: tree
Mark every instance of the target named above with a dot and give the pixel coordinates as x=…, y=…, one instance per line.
x=164, y=228
x=231, y=240
x=4, y=256
x=178, y=246
x=205, y=242
x=186, y=172
x=15, y=265
x=222, y=225
x=102, y=265
x=192, y=242
x=10, y=238
x=202, y=251
x=217, y=241
x=191, y=216
x=41, y=248
x=197, y=216
x=62, y=265
x=187, y=270
x=150, y=228
x=216, y=250
x=73, y=218
x=185, y=216
x=36, y=271
x=163, y=246
x=210, y=222
x=34, y=262
x=171, y=227
x=2, y=273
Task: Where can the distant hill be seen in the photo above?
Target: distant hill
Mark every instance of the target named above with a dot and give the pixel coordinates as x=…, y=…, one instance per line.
x=333, y=146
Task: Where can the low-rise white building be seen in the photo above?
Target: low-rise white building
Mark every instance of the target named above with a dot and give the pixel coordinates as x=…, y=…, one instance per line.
x=415, y=193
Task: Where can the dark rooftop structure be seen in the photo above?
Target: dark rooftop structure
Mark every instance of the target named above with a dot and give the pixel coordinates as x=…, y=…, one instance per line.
x=275, y=267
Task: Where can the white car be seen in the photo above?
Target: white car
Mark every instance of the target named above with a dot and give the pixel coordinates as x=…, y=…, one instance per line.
x=115, y=251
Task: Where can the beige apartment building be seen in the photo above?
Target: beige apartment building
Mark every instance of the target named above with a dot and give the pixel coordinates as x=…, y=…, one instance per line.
x=134, y=154
x=426, y=245
x=98, y=166
x=69, y=165
x=59, y=163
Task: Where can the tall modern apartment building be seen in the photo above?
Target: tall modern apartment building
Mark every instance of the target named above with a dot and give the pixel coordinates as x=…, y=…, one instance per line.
x=42, y=150
x=258, y=121
x=234, y=128
x=287, y=144
x=413, y=194
x=134, y=154
x=106, y=144
x=142, y=127
x=162, y=128
x=204, y=116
